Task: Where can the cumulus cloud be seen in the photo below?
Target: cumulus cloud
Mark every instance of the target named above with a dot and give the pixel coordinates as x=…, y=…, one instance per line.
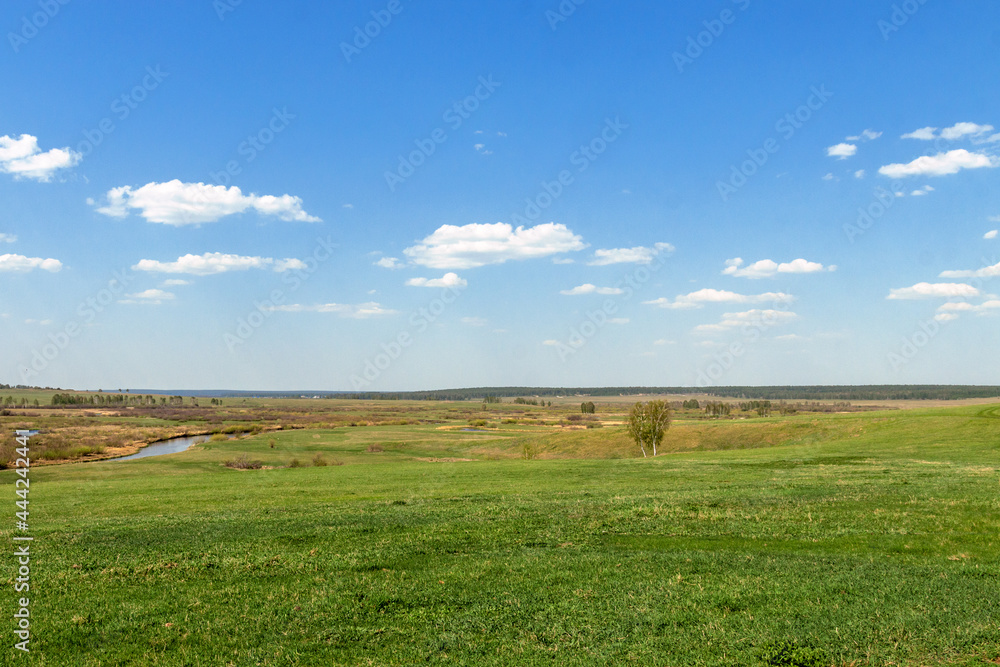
x=708, y=296
x=990, y=235
x=767, y=268
x=934, y=290
x=447, y=280
x=474, y=245
x=587, y=288
x=951, y=310
x=22, y=264
x=942, y=164
x=360, y=311
x=636, y=255
x=212, y=263
x=152, y=297
x=24, y=159
x=985, y=272
x=960, y=130
x=923, y=134
x=389, y=263
x=176, y=203
x=842, y=151
x=761, y=319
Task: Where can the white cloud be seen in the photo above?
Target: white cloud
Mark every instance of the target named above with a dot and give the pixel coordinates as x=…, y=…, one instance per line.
x=212, y=263
x=990, y=235
x=563, y=260
x=151, y=296
x=701, y=297
x=935, y=290
x=592, y=289
x=767, y=268
x=923, y=134
x=482, y=150
x=474, y=321
x=390, y=263
x=475, y=245
x=22, y=264
x=867, y=135
x=447, y=280
x=176, y=203
x=922, y=191
x=636, y=255
x=829, y=177
x=985, y=272
x=945, y=317
x=760, y=319
x=960, y=130
x=860, y=173
x=8, y=238
x=175, y=282
x=842, y=151
x=361, y=311
x=24, y=159
x=941, y=164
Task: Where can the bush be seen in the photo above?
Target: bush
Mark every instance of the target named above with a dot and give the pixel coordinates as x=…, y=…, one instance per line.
x=528, y=451
x=243, y=462
x=294, y=463
x=319, y=461
x=478, y=423
x=374, y=449
x=595, y=425
x=218, y=437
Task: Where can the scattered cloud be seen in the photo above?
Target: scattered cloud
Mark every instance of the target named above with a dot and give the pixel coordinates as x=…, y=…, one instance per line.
x=956, y=131
x=212, y=263
x=390, y=263
x=829, y=177
x=985, y=272
x=8, y=238
x=482, y=150
x=563, y=260
x=152, y=297
x=990, y=235
x=760, y=319
x=175, y=282
x=951, y=310
x=867, y=135
x=708, y=296
x=22, y=264
x=361, y=311
x=592, y=289
x=475, y=321
x=447, y=280
x=475, y=245
x=860, y=173
x=935, y=290
x=24, y=159
x=637, y=255
x=176, y=203
x=923, y=134
x=767, y=268
x=920, y=192
x=842, y=151
x=942, y=164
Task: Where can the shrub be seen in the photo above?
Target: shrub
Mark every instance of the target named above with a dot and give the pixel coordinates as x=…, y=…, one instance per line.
x=528, y=451
x=218, y=437
x=319, y=461
x=374, y=449
x=595, y=425
x=294, y=463
x=243, y=462
x=478, y=423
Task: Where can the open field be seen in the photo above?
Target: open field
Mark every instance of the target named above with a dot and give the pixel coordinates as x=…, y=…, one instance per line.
x=838, y=539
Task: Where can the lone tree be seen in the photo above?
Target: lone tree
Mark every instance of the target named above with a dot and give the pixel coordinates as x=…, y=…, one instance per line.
x=648, y=424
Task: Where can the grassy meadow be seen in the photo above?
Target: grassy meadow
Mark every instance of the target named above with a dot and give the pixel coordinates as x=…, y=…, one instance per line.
x=869, y=538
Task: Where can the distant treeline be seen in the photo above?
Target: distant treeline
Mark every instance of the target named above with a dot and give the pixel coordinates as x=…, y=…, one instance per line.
x=776, y=393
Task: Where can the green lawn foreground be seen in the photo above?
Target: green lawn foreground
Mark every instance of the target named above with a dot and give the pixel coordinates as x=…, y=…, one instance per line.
x=875, y=546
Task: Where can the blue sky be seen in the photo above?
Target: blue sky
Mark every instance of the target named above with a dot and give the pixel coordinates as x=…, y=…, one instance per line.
x=249, y=195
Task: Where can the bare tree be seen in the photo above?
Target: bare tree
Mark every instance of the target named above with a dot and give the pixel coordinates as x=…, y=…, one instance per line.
x=648, y=423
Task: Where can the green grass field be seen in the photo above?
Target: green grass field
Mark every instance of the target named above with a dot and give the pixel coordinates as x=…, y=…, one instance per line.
x=860, y=539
